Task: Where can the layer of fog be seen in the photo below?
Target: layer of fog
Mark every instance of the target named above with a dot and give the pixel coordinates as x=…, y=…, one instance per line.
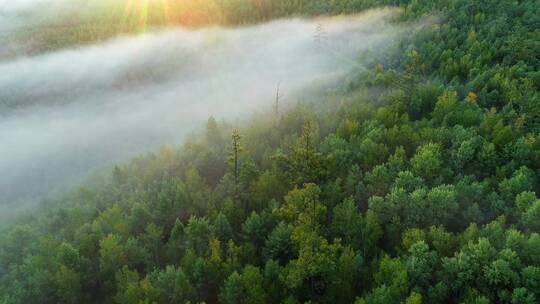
x=70, y=112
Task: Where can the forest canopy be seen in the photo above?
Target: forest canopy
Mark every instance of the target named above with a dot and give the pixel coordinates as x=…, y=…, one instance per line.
x=416, y=182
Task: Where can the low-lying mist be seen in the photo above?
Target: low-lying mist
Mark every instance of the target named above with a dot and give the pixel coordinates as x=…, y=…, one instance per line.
x=67, y=113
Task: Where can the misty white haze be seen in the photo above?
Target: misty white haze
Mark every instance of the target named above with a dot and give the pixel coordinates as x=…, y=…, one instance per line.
x=66, y=113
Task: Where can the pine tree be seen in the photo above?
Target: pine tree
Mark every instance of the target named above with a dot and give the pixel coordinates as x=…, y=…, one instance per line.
x=276, y=103
x=236, y=149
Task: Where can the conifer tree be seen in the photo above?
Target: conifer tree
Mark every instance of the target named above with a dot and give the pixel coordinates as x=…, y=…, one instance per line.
x=234, y=153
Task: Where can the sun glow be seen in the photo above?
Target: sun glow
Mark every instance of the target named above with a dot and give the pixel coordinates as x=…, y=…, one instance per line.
x=143, y=14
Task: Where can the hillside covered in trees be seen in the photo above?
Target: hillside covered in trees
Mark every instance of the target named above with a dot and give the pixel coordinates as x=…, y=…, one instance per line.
x=98, y=20
x=416, y=182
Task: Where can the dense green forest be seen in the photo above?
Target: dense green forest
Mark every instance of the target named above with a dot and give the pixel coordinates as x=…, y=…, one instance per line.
x=415, y=182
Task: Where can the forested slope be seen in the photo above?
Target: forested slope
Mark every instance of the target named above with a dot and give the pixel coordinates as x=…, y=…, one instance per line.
x=414, y=183
x=100, y=20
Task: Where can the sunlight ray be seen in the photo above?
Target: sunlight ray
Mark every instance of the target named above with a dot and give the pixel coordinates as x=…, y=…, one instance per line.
x=126, y=17
x=143, y=19
x=166, y=13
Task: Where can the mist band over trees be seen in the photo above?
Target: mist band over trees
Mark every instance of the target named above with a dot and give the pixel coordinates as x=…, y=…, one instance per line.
x=356, y=151
x=68, y=112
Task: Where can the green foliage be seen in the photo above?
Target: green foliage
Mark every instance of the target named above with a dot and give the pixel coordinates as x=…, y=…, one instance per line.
x=418, y=183
x=427, y=162
x=222, y=228
x=245, y=288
